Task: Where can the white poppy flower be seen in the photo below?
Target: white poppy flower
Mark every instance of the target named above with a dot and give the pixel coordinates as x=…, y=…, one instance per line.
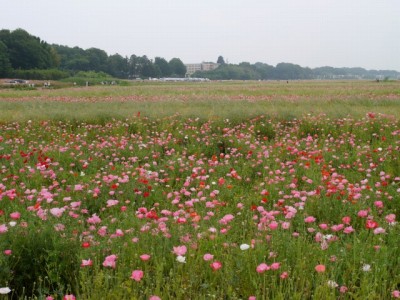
x=366, y=268
x=244, y=247
x=332, y=284
x=4, y=290
x=181, y=259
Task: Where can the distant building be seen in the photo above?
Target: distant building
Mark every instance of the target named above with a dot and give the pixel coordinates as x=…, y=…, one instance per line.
x=191, y=68
x=204, y=66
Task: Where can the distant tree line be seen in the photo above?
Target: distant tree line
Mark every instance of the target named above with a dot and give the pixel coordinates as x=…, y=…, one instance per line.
x=26, y=56
x=288, y=71
x=93, y=59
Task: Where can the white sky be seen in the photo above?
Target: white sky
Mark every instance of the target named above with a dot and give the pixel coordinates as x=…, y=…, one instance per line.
x=311, y=33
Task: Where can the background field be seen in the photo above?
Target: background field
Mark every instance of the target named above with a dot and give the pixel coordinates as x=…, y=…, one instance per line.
x=213, y=99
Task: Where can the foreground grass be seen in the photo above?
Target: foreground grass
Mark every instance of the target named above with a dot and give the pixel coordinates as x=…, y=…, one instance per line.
x=186, y=208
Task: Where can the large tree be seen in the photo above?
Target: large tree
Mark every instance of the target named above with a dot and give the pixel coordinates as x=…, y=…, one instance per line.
x=97, y=59
x=133, y=67
x=163, y=66
x=27, y=51
x=5, y=65
x=117, y=66
x=141, y=67
x=147, y=68
x=178, y=68
x=72, y=58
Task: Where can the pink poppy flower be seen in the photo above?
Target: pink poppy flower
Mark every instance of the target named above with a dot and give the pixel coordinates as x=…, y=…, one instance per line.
x=59, y=227
x=336, y=228
x=208, y=256
x=275, y=266
x=391, y=218
x=362, y=213
x=323, y=226
x=119, y=232
x=285, y=225
x=371, y=224
x=109, y=261
x=261, y=268
x=75, y=204
x=57, y=212
x=348, y=229
x=137, y=275
x=226, y=219
x=145, y=257
x=3, y=228
x=86, y=263
x=396, y=294
x=102, y=231
x=216, y=265
x=94, y=219
x=273, y=225
x=309, y=219
x=346, y=220
x=78, y=187
x=320, y=268
x=180, y=250
x=15, y=215
x=112, y=202
x=379, y=230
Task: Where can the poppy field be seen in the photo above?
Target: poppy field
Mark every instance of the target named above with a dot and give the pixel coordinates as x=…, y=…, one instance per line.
x=202, y=194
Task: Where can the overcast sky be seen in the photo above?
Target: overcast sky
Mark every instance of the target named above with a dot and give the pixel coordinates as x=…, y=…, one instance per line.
x=311, y=33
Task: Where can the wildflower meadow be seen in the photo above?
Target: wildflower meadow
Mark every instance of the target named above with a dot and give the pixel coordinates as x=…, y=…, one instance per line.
x=154, y=198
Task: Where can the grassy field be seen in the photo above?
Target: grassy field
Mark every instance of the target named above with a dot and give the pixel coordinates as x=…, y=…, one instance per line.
x=204, y=100
x=220, y=190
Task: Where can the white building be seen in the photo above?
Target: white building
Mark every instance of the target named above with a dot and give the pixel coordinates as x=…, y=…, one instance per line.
x=204, y=66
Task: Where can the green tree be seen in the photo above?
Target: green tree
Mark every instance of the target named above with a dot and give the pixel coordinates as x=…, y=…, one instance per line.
x=163, y=66
x=243, y=71
x=54, y=57
x=117, y=66
x=141, y=67
x=287, y=71
x=133, y=67
x=220, y=60
x=74, y=59
x=26, y=51
x=97, y=59
x=5, y=65
x=78, y=64
x=265, y=71
x=178, y=68
x=147, y=68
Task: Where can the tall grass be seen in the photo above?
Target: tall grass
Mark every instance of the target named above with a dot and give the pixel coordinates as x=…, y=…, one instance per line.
x=224, y=100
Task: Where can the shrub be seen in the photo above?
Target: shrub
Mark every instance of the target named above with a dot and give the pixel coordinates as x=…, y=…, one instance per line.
x=36, y=74
x=91, y=77
x=42, y=263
